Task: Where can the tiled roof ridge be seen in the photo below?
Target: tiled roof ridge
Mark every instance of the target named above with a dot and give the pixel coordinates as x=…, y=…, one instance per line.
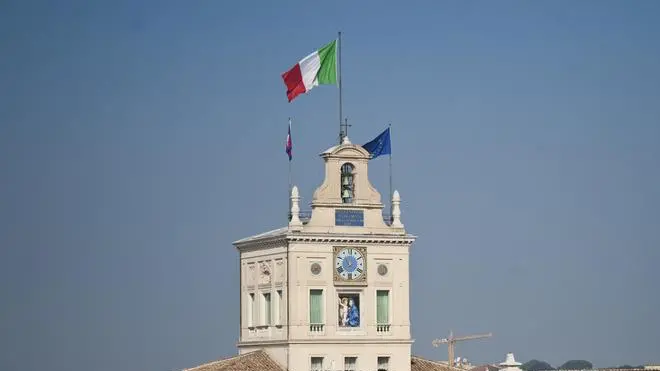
x=442, y=364
x=226, y=360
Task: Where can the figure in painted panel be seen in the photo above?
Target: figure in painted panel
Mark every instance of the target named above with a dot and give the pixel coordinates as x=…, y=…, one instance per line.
x=353, y=314
x=343, y=311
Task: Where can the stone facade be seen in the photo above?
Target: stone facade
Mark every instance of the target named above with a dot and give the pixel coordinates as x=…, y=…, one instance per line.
x=331, y=292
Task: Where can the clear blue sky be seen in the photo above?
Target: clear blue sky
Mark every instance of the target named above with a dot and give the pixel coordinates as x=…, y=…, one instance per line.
x=139, y=139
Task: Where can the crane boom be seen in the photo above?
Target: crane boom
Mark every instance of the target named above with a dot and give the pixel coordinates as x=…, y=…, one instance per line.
x=451, y=343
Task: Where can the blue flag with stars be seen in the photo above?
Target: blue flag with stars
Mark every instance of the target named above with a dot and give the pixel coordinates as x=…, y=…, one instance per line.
x=381, y=145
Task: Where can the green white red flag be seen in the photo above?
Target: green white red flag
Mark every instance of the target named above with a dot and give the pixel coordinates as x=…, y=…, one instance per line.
x=318, y=68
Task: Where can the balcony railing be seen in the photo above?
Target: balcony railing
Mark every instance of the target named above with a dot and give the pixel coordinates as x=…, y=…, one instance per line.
x=382, y=328
x=306, y=215
x=316, y=328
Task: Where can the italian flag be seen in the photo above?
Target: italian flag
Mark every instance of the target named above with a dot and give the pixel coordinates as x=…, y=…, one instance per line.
x=318, y=68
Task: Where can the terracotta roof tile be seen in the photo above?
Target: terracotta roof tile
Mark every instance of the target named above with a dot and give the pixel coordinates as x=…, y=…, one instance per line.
x=253, y=361
x=260, y=361
x=421, y=364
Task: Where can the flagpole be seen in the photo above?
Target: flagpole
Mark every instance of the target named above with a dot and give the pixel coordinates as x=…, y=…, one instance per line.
x=289, y=190
x=391, y=194
x=341, y=115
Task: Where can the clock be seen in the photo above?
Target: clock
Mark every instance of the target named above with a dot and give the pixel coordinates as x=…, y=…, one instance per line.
x=350, y=264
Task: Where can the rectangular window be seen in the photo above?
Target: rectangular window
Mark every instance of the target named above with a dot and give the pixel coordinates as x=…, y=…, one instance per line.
x=267, y=309
x=383, y=307
x=383, y=363
x=250, y=310
x=278, y=308
x=317, y=364
x=316, y=306
x=350, y=363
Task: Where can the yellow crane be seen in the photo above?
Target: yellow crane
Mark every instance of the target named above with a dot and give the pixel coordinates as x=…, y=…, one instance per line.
x=451, y=343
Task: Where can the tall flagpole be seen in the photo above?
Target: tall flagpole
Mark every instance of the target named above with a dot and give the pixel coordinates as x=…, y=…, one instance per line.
x=391, y=194
x=290, y=186
x=341, y=115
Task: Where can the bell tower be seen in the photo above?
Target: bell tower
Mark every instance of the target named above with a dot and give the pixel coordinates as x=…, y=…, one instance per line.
x=331, y=291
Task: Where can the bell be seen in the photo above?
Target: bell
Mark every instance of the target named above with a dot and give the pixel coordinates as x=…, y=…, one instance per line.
x=345, y=194
x=345, y=181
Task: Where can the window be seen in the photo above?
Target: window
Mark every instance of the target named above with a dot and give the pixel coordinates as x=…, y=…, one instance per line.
x=250, y=310
x=278, y=308
x=347, y=183
x=383, y=363
x=315, y=308
x=266, y=309
x=383, y=307
x=317, y=364
x=350, y=363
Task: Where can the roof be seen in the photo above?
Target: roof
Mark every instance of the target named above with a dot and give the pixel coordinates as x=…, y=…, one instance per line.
x=421, y=364
x=253, y=361
x=486, y=368
x=260, y=361
x=274, y=233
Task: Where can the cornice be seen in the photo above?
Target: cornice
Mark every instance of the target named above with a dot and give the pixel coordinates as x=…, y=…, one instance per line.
x=352, y=239
x=318, y=340
x=325, y=238
x=262, y=243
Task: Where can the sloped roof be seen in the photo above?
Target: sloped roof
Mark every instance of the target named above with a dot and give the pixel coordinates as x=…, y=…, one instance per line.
x=274, y=233
x=260, y=361
x=253, y=361
x=486, y=368
x=421, y=364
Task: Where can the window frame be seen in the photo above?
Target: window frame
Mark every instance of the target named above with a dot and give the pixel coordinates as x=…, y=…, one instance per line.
x=309, y=305
x=312, y=356
x=389, y=362
x=251, y=310
x=266, y=309
x=389, y=305
x=279, y=295
x=354, y=356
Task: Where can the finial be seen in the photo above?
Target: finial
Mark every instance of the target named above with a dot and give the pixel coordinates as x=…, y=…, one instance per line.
x=396, y=210
x=295, y=222
x=346, y=140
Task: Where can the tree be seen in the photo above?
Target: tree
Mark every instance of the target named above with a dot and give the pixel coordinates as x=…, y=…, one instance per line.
x=577, y=364
x=536, y=365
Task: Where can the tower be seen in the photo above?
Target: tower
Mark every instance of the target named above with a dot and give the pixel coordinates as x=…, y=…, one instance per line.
x=331, y=291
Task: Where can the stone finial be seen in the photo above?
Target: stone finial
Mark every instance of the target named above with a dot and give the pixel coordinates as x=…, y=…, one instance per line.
x=295, y=222
x=510, y=363
x=396, y=210
x=346, y=140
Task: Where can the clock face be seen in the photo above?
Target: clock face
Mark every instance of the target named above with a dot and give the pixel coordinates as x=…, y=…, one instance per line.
x=349, y=263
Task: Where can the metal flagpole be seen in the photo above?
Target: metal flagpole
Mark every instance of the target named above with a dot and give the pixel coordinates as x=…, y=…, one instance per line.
x=290, y=186
x=341, y=115
x=391, y=194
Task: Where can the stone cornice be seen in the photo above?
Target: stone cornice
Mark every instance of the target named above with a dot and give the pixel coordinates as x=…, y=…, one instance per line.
x=352, y=239
x=318, y=340
x=325, y=238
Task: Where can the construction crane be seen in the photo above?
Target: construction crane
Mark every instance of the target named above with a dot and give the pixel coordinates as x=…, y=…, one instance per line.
x=451, y=343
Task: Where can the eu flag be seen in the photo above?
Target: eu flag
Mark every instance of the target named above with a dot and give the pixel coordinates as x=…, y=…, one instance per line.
x=381, y=145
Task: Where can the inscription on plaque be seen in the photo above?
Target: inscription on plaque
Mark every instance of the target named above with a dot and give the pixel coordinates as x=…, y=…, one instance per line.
x=351, y=218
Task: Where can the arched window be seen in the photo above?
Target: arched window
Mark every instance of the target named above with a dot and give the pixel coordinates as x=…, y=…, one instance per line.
x=347, y=183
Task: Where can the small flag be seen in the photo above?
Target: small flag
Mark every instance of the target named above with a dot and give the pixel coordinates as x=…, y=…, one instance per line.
x=381, y=145
x=289, y=144
x=318, y=68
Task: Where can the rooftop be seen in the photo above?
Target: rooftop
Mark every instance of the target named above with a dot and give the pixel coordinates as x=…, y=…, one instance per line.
x=260, y=361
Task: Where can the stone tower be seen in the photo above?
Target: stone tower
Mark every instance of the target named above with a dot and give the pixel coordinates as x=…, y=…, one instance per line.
x=330, y=291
